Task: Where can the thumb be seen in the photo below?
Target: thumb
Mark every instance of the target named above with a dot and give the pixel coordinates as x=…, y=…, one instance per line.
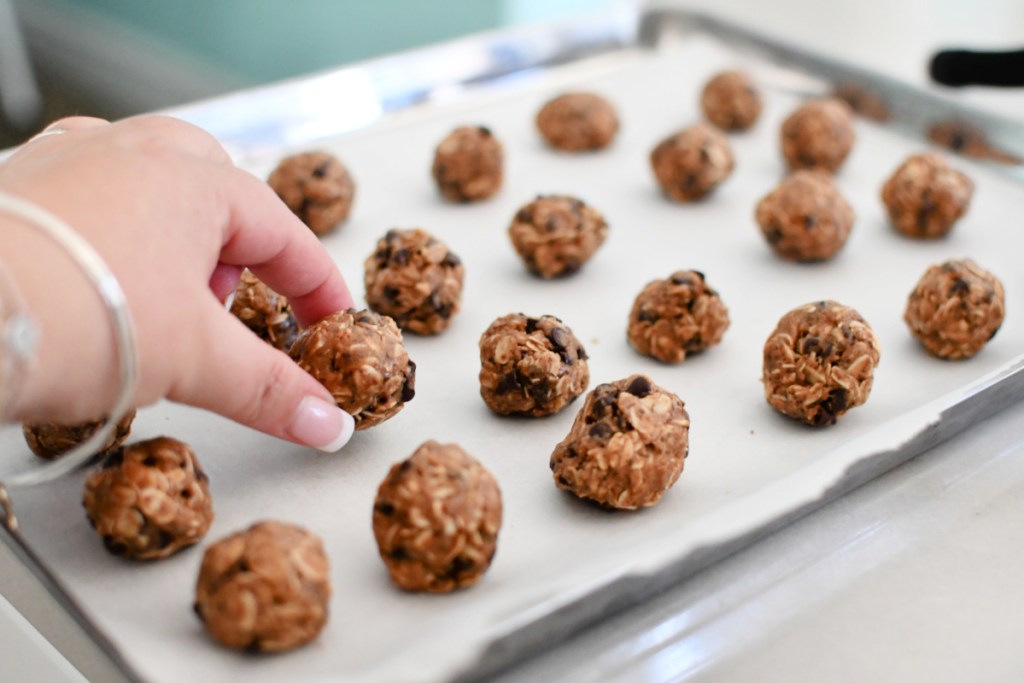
x=245, y=379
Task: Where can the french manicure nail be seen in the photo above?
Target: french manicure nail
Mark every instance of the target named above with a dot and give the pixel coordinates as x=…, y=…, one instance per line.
x=321, y=424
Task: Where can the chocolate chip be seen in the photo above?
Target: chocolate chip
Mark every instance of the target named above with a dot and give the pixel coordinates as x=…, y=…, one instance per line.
x=559, y=338
x=564, y=482
x=114, y=546
x=681, y=279
x=385, y=508
x=600, y=430
x=405, y=466
x=198, y=611
x=811, y=344
x=551, y=224
x=582, y=354
x=392, y=235
x=451, y=260
x=571, y=452
x=114, y=459
x=690, y=181
x=640, y=386
x=150, y=461
x=409, y=388
x=540, y=392
x=831, y=407
x=186, y=493
x=959, y=286
x=459, y=566
x=646, y=316
x=321, y=170
x=254, y=647
x=400, y=257
x=391, y=294
x=524, y=216
x=164, y=539
x=957, y=140
x=200, y=473
x=774, y=235
x=436, y=302
x=399, y=553
x=531, y=325
x=603, y=400
x=484, y=130
x=810, y=222
x=513, y=381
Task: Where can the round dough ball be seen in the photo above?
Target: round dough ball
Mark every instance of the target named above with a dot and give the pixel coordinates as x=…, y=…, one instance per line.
x=436, y=519
x=627, y=445
x=731, y=101
x=818, y=134
x=360, y=358
x=805, y=218
x=531, y=366
x=265, y=312
x=578, y=122
x=925, y=197
x=414, y=278
x=317, y=187
x=50, y=440
x=692, y=162
x=955, y=309
x=675, y=316
x=819, y=362
x=265, y=589
x=468, y=164
x=150, y=500
x=556, y=234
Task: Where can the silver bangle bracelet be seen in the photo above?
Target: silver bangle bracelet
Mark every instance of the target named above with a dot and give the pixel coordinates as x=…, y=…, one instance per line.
x=106, y=285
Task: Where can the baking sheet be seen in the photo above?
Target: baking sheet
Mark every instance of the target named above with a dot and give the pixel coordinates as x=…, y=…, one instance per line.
x=560, y=561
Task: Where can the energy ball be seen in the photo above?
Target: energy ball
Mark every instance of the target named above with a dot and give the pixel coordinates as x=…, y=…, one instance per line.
x=819, y=362
x=414, y=278
x=265, y=589
x=555, y=234
x=150, y=500
x=819, y=134
x=468, y=164
x=627, y=445
x=955, y=309
x=317, y=187
x=265, y=312
x=692, y=162
x=436, y=519
x=578, y=122
x=531, y=366
x=731, y=101
x=925, y=197
x=805, y=218
x=676, y=316
x=360, y=358
x=50, y=440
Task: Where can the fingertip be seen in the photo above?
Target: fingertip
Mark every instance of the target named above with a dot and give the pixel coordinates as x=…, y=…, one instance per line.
x=320, y=424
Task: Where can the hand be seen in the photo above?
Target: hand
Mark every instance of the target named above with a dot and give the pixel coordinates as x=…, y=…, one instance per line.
x=176, y=222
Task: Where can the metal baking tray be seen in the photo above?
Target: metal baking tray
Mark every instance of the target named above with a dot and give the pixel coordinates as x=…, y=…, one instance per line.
x=561, y=564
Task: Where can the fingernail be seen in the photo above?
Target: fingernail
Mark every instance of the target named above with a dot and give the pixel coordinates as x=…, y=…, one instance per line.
x=321, y=425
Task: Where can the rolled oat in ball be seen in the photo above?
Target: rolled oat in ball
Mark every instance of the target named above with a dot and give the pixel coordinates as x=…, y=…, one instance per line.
x=627, y=445
x=414, y=278
x=531, y=366
x=317, y=187
x=436, y=519
x=956, y=308
x=555, y=235
x=150, y=500
x=819, y=362
x=925, y=196
x=360, y=358
x=578, y=122
x=50, y=440
x=265, y=589
x=676, y=316
x=819, y=134
x=468, y=164
x=692, y=162
x=805, y=218
x=731, y=101
x=265, y=312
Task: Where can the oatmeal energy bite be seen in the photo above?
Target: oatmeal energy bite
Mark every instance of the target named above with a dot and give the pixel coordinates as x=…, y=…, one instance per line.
x=578, y=122
x=51, y=440
x=818, y=134
x=360, y=358
x=265, y=312
x=265, y=589
x=150, y=500
x=731, y=101
x=436, y=519
x=805, y=218
x=676, y=316
x=925, y=196
x=626, y=447
x=691, y=163
x=555, y=235
x=468, y=164
x=414, y=278
x=531, y=366
x=317, y=187
x=955, y=309
x=819, y=362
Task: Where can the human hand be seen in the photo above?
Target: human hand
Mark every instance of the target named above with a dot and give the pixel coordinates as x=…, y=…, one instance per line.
x=176, y=222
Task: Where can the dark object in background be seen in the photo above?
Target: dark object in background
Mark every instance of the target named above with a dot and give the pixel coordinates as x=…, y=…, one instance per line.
x=968, y=67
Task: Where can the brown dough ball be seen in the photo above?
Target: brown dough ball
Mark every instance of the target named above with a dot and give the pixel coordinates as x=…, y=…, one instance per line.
x=531, y=366
x=265, y=589
x=805, y=218
x=436, y=519
x=51, y=440
x=675, y=316
x=414, y=278
x=955, y=309
x=150, y=500
x=555, y=235
x=577, y=122
x=360, y=358
x=265, y=312
x=819, y=362
x=819, y=134
x=925, y=197
x=692, y=162
x=627, y=445
x=863, y=101
x=468, y=164
x=317, y=187
x=731, y=101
